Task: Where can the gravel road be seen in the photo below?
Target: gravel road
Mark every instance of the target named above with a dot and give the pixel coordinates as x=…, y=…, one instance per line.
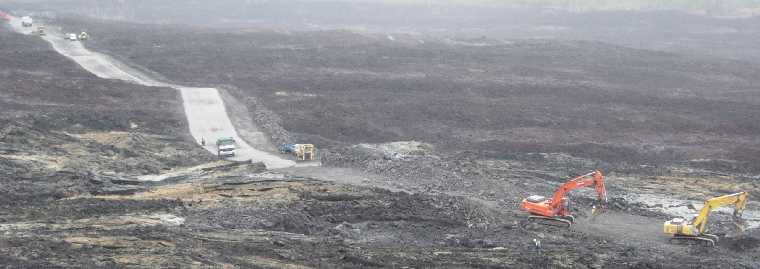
x=204, y=107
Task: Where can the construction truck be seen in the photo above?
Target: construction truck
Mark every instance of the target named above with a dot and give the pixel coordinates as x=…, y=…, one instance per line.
x=83, y=36
x=555, y=211
x=27, y=21
x=305, y=152
x=72, y=37
x=695, y=231
x=225, y=147
x=302, y=152
x=41, y=31
x=287, y=148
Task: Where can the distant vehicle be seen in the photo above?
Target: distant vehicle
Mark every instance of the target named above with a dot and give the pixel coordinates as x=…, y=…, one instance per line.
x=72, y=37
x=27, y=21
x=303, y=152
x=225, y=147
x=84, y=36
x=287, y=148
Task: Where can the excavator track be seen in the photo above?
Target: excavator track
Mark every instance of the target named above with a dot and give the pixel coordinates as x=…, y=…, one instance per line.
x=562, y=222
x=707, y=240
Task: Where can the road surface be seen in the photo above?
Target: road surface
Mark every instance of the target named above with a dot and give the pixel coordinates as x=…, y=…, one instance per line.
x=204, y=107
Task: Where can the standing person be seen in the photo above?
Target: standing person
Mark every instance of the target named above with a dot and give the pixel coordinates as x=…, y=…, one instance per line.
x=537, y=244
x=203, y=141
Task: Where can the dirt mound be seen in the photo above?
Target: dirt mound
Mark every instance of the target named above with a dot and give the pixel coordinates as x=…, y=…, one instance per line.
x=42, y=164
x=313, y=208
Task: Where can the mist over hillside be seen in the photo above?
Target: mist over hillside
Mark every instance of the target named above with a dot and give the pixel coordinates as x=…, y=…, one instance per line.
x=368, y=11
x=713, y=5
x=673, y=26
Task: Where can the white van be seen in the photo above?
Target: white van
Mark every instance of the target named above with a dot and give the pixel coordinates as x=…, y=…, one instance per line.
x=225, y=147
x=27, y=21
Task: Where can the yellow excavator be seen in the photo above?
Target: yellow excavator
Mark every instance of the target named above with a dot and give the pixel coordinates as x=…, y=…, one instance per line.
x=694, y=231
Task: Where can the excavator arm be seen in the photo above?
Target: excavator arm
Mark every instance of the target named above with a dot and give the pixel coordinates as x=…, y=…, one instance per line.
x=594, y=178
x=739, y=200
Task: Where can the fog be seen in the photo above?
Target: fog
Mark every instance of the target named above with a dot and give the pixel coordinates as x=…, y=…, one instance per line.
x=366, y=11
x=725, y=29
x=712, y=5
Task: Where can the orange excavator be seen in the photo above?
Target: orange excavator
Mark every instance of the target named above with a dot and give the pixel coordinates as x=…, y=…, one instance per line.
x=555, y=211
x=5, y=16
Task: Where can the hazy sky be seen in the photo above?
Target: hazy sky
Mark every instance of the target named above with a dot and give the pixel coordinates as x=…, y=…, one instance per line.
x=582, y=4
x=685, y=4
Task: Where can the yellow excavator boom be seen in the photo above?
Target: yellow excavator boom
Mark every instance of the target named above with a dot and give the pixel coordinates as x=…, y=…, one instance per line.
x=737, y=199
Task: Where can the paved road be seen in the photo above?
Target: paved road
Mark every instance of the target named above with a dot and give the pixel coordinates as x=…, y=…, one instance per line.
x=204, y=107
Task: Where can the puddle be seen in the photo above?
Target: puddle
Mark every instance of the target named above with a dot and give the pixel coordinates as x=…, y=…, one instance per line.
x=170, y=220
x=677, y=207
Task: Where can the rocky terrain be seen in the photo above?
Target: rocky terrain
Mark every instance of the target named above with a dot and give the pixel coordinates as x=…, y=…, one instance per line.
x=592, y=100
x=102, y=173
x=59, y=119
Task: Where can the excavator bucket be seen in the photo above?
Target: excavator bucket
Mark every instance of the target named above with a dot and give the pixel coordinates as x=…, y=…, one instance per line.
x=740, y=223
x=597, y=210
x=740, y=228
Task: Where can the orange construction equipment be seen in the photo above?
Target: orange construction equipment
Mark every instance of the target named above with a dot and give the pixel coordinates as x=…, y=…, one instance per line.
x=556, y=211
x=5, y=16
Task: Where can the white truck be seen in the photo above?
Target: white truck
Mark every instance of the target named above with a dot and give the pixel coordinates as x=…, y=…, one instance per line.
x=27, y=21
x=225, y=147
x=72, y=37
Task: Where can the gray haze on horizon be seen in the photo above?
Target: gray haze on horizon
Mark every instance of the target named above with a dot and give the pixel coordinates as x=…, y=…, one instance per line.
x=706, y=5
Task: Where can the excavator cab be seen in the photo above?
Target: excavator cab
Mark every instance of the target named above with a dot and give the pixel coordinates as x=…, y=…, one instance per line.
x=535, y=199
x=672, y=226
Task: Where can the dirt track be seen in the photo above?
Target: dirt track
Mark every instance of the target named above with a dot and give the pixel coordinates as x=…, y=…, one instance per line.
x=204, y=107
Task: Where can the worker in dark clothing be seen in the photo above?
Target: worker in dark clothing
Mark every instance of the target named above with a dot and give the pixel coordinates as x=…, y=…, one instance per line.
x=203, y=141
